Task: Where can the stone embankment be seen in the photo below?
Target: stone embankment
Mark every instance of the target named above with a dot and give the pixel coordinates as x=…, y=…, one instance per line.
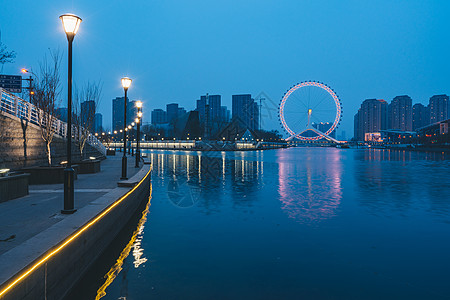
x=21, y=145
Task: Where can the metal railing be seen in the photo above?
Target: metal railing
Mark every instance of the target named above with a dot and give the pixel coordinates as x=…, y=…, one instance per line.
x=15, y=106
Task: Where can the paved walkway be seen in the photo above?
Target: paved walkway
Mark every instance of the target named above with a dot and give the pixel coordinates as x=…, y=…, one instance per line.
x=23, y=218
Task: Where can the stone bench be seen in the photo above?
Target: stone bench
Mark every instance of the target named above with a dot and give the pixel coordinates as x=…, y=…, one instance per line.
x=13, y=186
x=48, y=175
x=88, y=166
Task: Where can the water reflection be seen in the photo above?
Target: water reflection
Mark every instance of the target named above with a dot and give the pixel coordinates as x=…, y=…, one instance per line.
x=310, y=189
x=202, y=178
x=138, y=253
x=399, y=155
x=396, y=181
x=242, y=213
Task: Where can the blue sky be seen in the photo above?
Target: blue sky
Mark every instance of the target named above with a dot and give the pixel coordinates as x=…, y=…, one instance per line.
x=176, y=51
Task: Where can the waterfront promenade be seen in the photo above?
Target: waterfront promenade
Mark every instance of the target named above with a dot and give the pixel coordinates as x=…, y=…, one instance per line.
x=31, y=225
x=23, y=218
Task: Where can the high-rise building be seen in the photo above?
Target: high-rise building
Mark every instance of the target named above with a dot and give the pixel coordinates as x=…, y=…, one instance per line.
x=400, y=113
x=159, y=116
x=117, y=117
x=439, y=108
x=98, y=120
x=225, y=114
x=245, y=107
x=87, y=114
x=371, y=118
x=131, y=111
x=172, y=111
x=211, y=114
x=181, y=111
x=421, y=116
x=118, y=107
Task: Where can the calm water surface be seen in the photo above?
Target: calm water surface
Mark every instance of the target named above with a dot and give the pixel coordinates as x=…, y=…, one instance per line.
x=299, y=223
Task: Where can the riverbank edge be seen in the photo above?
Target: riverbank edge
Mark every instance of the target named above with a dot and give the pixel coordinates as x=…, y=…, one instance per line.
x=49, y=264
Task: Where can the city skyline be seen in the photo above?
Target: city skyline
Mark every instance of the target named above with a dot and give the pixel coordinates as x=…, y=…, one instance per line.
x=385, y=39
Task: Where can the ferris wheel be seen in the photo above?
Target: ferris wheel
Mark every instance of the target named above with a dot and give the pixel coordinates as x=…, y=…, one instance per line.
x=310, y=111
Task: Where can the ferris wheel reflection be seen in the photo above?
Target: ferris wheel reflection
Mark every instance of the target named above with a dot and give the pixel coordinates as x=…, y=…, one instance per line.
x=310, y=192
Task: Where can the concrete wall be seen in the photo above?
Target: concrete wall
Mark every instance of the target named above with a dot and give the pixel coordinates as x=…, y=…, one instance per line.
x=89, y=237
x=12, y=138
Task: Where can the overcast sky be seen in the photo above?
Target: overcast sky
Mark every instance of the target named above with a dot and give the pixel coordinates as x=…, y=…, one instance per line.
x=176, y=51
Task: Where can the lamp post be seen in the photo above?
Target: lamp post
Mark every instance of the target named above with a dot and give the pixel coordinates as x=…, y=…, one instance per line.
x=126, y=82
x=129, y=138
x=30, y=81
x=138, y=135
x=71, y=23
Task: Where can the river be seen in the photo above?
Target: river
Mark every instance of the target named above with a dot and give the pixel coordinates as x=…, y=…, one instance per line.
x=297, y=223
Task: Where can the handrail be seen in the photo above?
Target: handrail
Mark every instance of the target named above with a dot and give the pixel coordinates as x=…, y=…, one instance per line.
x=15, y=106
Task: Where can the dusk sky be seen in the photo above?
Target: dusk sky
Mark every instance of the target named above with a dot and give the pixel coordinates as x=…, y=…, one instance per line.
x=176, y=51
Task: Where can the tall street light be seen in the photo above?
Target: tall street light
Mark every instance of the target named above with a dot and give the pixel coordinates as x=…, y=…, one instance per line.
x=71, y=23
x=138, y=137
x=126, y=82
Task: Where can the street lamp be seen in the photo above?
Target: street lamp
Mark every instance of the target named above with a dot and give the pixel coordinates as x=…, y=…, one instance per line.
x=138, y=137
x=71, y=23
x=126, y=82
x=30, y=80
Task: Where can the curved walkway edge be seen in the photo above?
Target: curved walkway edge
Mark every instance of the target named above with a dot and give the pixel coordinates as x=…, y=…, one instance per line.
x=48, y=265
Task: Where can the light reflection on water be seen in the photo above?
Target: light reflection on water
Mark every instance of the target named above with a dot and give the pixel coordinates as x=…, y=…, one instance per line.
x=320, y=180
x=310, y=223
x=138, y=253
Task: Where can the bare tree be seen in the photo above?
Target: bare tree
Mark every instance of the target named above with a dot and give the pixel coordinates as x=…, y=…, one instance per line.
x=6, y=56
x=86, y=101
x=46, y=98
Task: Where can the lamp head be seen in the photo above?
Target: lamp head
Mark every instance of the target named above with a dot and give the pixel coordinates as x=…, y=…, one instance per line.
x=139, y=104
x=126, y=82
x=139, y=114
x=71, y=24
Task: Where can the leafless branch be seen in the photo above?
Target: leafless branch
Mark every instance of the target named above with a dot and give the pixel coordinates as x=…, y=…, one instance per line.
x=86, y=101
x=6, y=56
x=46, y=97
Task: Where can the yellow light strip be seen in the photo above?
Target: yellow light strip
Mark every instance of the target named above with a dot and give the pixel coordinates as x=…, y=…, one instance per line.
x=117, y=267
x=70, y=239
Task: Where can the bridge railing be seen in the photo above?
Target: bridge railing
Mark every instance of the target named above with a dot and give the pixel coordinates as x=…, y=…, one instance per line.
x=15, y=106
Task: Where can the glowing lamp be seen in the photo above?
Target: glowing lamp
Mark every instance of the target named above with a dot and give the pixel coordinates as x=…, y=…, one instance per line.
x=126, y=82
x=139, y=104
x=71, y=24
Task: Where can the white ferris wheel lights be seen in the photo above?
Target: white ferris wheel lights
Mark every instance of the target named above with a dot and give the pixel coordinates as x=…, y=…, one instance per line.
x=307, y=85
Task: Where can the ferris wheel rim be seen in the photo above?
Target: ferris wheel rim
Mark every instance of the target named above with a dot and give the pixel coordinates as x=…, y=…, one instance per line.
x=322, y=86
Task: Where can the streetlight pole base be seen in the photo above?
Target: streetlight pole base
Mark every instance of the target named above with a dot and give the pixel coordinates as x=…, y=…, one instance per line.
x=138, y=157
x=69, y=175
x=124, y=168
